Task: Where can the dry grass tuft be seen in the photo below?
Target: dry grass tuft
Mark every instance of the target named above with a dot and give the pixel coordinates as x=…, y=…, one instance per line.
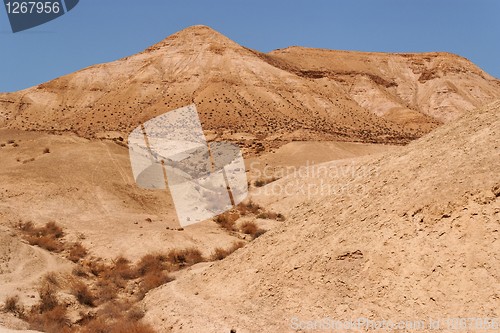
x=249, y=207
x=77, y=252
x=265, y=181
x=151, y=262
x=271, y=216
x=227, y=220
x=249, y=228
x=12, y=305
x=185, y=257
x=220, y=253
x=83, y=293
x=259, y=233
x=48, y=298
x=152, y=280
x=51, y=321
x=46, y=237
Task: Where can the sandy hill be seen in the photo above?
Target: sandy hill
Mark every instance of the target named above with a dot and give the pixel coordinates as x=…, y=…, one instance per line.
x=398, y=86
x=407, y=235
x=238, y=90
x=87, y=187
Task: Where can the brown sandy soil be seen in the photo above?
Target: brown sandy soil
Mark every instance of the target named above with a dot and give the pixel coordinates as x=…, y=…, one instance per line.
x=86, y=186
x=413, y=234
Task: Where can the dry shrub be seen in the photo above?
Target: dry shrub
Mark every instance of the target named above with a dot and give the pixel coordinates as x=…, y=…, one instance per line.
x=82, y=293
x=96, y=267
x=77, y=252
x=51, y=321
x=153, y=280
x=46, y=150
x=114, y=310
x=265, y=181
x=108, y=291
x=12, y=305
x=259, y=233
x=114, y=277
x=51, y=228
x=249, y=207
x=220, y=253
x=123, y=269
x=48, y=315
x=48, y=298
x=27, y=227
x=96, y=325
x=135, y=314
x=149, y=263
x=51, y=278
x=80, y=271
x=249, y=228
x=46, y=237
x=271, y=216
x=46, y=242
x=185, y=257
x=227, y=220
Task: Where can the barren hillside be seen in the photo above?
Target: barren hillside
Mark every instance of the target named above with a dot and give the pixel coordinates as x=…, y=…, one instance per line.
x=402, y=87
x=239, y=92
x=407, y=235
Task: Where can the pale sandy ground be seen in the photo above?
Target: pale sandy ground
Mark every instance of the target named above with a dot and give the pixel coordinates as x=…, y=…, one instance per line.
x=86, y=186
x=414, y=234
x=296, y=155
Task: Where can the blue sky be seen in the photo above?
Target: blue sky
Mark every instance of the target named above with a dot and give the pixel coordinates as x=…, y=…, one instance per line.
x=99, y=31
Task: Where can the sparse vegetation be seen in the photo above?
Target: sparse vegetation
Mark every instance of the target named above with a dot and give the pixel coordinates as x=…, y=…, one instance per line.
x=227, y=220
x=82, y=293
x=249, y=207
x=119, y=325
x=103, y=285
x=185, y=257
x=77, y=252
x=249, y=228
x=46, y=237
x=54, y=320
x=153, y=280
x=46, y=150
x=262, y=182
x=12, y=305
x=271, y=216
x=220, y=253
x=259, y=233
x=48, y=298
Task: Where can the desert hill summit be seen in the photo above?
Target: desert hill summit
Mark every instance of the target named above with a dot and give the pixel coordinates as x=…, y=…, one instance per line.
x=407, y=235
x=296, y=93
x=396, y=86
